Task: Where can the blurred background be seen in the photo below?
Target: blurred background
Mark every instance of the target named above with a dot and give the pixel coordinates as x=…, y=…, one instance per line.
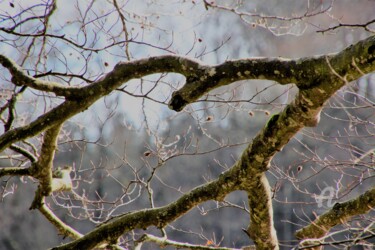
x=130, y=151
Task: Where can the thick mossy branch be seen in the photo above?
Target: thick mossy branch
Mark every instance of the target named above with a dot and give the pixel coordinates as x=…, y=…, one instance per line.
x=200, y=78
x=159, y=217
x=245, y=174
x=317, y=78
x=261, y=228
x=338, y=214
x=42, y=169
x=14, y=171
x=305, y=72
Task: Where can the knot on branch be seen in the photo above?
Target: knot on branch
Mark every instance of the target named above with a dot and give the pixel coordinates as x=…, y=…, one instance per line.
x=177, y=103
x=16, y=80
x=371, y=49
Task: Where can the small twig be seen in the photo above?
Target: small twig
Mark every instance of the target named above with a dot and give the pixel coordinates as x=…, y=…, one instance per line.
x=349, y=25
x=163, y=242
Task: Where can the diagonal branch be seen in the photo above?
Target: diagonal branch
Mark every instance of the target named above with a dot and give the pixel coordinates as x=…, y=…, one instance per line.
x=245, y=174
x=20, y=78
x=340, y=213
x=59, y=224
x=46, y=121
x=112, y=230
x=314, y=77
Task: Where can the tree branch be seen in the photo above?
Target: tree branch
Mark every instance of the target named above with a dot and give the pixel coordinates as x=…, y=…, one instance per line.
x=254, y=160
x=305, y=72
x=200, y=78
x=64, y=229
x=24, y=152
x=244, y=174
x=261, y=228
x=366, y=26
x=340, y=213
x=53, y=117
x=42, y=169
x=314, y=76
x=159, y=217
x=13, y=171
x=19, y=78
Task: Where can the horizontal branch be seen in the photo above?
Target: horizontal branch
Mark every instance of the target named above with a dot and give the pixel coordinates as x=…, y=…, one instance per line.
x=14, y=171
x=200, y=78
x=304, y=72
x=338, y=214
x=366, y=26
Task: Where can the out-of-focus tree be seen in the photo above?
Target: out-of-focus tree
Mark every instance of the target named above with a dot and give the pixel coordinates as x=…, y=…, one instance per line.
x=146, y=124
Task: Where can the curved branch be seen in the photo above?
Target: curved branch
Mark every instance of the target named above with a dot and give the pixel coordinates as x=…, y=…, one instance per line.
x=53, y=117
x=319, y=79
x=305, y=72
x=32, y=158
x=79, y=99
x=200, y=78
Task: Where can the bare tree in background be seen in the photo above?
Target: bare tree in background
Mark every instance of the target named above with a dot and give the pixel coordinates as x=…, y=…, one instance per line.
x=188, y=124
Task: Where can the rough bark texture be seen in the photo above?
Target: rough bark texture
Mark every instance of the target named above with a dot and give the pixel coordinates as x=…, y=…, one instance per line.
x=42, y=169
x=317, y=79
x=339, y=214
